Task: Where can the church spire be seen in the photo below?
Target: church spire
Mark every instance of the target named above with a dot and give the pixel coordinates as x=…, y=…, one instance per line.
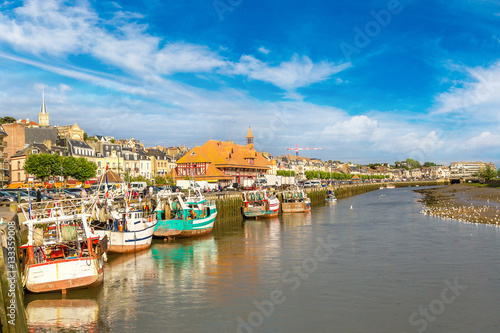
x=43, y=116
x=44, y=109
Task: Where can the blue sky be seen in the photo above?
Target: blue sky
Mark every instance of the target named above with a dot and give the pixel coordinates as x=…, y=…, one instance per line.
x=368, y=81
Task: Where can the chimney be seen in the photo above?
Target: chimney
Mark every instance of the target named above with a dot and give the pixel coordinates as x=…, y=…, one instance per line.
x=48, y=143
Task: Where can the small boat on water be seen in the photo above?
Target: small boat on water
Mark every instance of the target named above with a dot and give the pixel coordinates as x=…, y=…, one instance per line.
x=127, y=231
x=184, y=217
x=295, y=201
x=330, y=197
x=62, y=252
x=391, y=186
x=259, y=203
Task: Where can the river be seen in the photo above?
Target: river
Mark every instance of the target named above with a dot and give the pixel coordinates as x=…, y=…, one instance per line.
x=369, y=263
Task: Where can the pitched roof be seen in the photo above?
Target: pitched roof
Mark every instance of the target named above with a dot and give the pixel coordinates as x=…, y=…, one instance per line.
x=27, y=122
x=225, y=154
x=2, y=131
x=40, y=134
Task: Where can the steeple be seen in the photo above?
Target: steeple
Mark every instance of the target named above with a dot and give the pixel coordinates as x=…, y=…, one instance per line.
x=250, y=138
x=43, y=116
x=44, y=109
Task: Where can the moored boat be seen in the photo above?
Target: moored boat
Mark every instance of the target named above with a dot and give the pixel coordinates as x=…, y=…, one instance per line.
x=295, y=201
x=391, y=186
x=184, y=217
x=330, y=197
x=254, y=203
x=127, y=231
x=62, y=253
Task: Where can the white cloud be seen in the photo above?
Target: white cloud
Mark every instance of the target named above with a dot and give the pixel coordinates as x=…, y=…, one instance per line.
x=264, y=50
x=183, y=57
x=357, y=128
x=483, y=141
x=296, y=73
x=481, y=90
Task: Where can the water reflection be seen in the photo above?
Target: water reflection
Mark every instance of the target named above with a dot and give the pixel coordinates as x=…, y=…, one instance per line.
x=62, y=314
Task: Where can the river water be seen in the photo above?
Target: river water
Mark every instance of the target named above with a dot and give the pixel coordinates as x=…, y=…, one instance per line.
x=369, y=263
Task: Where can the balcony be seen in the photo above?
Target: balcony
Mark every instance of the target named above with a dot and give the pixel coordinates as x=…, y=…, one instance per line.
x=3, y=144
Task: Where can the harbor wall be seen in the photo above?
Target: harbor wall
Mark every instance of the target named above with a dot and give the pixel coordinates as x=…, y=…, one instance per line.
x=12, y=314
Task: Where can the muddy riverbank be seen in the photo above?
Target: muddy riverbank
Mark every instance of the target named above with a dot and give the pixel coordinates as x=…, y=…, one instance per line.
x=466, y=203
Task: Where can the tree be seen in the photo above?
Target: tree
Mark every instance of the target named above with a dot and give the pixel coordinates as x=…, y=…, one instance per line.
x=69, y=167
x=159, y=180
x=84, y=169
x=429, y=164
x=43, y=165
x=498, y=172
x=488, y=173
x=7, y=120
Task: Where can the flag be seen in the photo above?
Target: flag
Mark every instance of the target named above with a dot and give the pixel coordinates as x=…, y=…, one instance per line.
x=29, y=201
x=106, y=186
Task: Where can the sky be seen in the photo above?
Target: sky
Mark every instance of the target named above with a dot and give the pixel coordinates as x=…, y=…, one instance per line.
x=367, y=81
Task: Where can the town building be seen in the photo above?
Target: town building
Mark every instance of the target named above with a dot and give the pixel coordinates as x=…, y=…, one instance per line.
x=4, y=164
x=136, y=163
x=15, y=139
x=73, y=132
x=468, y=169
x=223, y=162
x=161, y=163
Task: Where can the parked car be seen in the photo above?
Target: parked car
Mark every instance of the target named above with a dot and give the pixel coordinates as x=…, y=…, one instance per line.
x=7, y=197
x=232, y=187
x=175, y=188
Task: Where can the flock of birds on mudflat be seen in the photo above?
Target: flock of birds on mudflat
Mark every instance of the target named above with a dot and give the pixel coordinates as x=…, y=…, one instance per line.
x=484, y=214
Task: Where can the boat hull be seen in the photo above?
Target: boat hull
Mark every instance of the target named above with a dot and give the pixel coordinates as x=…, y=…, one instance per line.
x=295, y=207
x=64, y=275
x=127, y=241
x=185, y=228
x=253, y=211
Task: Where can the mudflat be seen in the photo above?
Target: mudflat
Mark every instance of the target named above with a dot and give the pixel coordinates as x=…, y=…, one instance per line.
x=466, y=203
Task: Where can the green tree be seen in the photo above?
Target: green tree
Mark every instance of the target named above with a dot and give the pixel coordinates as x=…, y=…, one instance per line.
x=159, y=180
x=7, y=120
x=43, y=165
x=488, y=173
x=498, y=173
x=429, y=164
x=69, y=167
x=84, y=169
x=413, y=164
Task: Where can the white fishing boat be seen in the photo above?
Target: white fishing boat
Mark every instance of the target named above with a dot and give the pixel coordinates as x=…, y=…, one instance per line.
x=62, y=253
x=127, y=231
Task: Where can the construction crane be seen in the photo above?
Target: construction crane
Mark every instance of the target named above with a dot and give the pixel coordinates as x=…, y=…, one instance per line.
x=296, y=149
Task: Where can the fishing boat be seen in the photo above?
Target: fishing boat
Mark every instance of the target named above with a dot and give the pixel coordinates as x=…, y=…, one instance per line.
x=273, y=206
x=295, y=201
x=254, y=203
x=330, y=197
x=127, y=231
x=62, y=252
x=258, y=203
x=184, y=217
